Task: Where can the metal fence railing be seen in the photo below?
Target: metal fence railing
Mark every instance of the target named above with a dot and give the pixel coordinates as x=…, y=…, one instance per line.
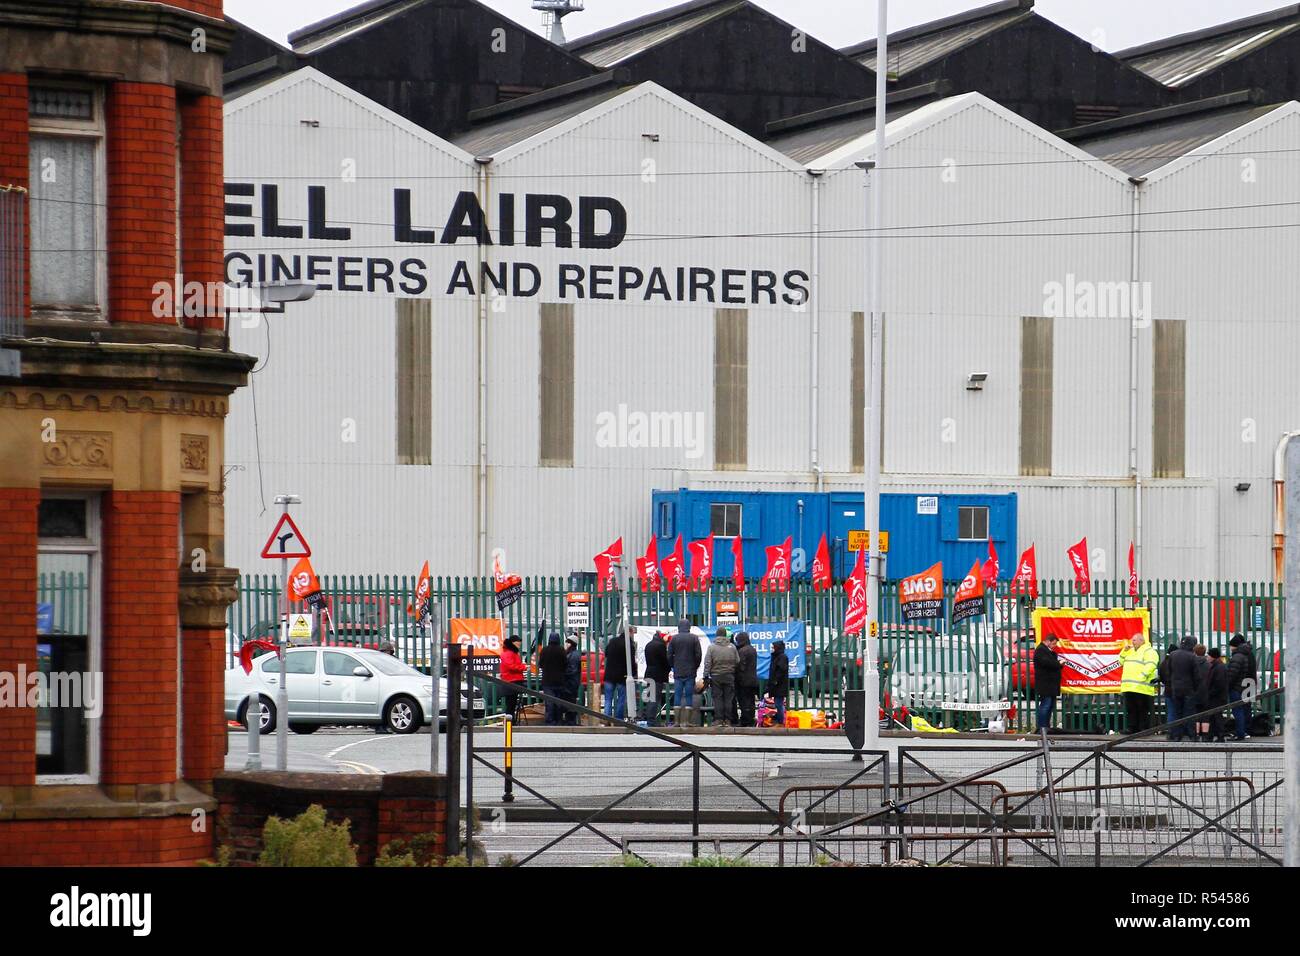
x=946, y=669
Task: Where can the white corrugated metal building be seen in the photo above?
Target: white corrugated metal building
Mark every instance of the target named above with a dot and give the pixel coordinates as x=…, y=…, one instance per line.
x=407, y=440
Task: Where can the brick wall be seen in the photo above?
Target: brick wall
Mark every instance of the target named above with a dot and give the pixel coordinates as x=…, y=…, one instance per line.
x=210, y=8
x=148, y=841
x=141, y=149
x=203, y=198
x=379, y=808
x=203, y=723
x=18, y=508
x=141, y=578
x=13, y=148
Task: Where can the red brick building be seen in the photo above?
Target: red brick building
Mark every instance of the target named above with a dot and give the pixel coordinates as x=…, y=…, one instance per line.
x=113, y=588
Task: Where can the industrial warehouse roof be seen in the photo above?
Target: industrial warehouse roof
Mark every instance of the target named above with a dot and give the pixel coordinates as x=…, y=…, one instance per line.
x=806, y=137
x=352, y=20
x=615, y=44
x=1179, y=60
x=1144, y=142
x=917, y=46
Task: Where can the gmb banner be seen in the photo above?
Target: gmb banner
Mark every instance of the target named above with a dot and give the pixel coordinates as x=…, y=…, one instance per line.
x=1090, y=644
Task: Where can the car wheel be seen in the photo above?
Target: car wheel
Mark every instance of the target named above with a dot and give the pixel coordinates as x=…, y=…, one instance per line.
x=267, y=723
x=304, y=728
x=402, y=715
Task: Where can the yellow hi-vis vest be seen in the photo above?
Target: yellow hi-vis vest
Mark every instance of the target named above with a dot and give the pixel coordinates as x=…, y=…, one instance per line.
x=1139, y=669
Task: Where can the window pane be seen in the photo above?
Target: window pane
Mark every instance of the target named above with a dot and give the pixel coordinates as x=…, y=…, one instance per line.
x=339, y=665
x=62, y=518
x=63, y=657
x=63, y=212
x=302, y=662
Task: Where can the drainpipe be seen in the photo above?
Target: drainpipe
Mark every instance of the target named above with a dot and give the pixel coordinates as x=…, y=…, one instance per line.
x=1279, y=506
x=1135, y=274
x=481, y=296
x=815, y=451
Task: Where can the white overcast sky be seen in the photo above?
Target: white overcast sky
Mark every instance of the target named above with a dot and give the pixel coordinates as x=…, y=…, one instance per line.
x=1110, y=24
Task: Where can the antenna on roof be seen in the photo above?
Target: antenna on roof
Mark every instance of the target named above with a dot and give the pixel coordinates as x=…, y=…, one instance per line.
x=553, y=12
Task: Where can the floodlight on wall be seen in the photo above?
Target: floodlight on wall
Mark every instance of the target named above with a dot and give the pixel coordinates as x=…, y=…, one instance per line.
x=975, y=381
x=1243, y=486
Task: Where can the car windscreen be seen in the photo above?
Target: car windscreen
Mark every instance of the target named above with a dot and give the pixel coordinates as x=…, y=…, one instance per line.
x=387, y=664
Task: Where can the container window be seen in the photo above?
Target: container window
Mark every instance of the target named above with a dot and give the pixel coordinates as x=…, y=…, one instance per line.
x=724, y=520
x=973, y=523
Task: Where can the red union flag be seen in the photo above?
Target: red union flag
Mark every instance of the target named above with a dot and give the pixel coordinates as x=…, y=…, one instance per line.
x=303, y=582
x=420, y=607
x=647, y=568
x=1132, y=572
x=674, y=568
x=605, y=562
x=855, y=586
x=1079, y=562
x=702, y=563
x=1026, y=579
x=777, y=577
x=509, y=587
x=989, y=571
x=969, y=599
x=921, y=595
x=738, y=572
x=821, y=569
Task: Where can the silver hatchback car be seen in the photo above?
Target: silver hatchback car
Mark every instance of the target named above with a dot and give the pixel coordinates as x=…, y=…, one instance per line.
x=340, y=686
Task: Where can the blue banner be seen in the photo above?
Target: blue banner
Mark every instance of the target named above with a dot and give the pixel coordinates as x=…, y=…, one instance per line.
x=796, y=645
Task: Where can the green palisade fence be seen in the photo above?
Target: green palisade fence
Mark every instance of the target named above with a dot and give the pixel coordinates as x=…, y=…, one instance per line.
x=976, y=660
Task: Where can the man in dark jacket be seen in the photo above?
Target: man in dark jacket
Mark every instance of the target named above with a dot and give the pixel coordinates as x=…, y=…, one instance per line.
x=552, y=664
x=746, y=679
x=656, y=674
x=720, y=662
x=572, y=679
x=1242, y=683
x=778, y=679
x=684, y=660
x=1185, y=682
x=1216, y=692
x=1171, y=704
x=1047, y=680
x=616, y=666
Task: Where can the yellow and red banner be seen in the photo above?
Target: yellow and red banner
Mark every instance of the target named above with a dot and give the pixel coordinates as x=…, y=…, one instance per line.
x=1090, y=642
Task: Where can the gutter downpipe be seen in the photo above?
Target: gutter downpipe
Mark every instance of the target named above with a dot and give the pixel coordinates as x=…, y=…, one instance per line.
x=1279, y=506
x=481, y=557
x=815, y=451
x=1134, y=324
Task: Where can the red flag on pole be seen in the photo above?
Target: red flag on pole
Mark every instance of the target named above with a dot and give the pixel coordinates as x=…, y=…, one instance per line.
x=777, y=577
x=605, y=562
x=420, y=608
x=1079, y=561
x=302, y=581
x=674, y=568
x=1132, y=572
x=246, y=652
x=821, y=569
x=738, y=572
x=855, y=585
x=989, y=571
x=1026, y=579
x=702, y=563
x=969, y=599
x=647, y=567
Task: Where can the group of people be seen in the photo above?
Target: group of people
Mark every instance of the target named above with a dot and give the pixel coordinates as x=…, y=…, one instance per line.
x=1193, y=678
x=728, y=671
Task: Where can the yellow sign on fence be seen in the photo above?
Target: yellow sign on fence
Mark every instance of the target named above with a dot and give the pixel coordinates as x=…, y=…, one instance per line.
x=859, y=540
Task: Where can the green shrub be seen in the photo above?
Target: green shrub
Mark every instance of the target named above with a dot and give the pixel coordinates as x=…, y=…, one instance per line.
x=716, y=861
x=629, y=859
x=307, y=840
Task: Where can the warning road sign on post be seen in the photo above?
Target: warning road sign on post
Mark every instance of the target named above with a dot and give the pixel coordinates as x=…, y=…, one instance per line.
x=286, y=541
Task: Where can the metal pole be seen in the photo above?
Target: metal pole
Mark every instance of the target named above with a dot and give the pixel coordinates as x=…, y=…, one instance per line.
x=874, y=393
x=469, y=768
x=453, y=749
x=282, y=698
x=695, y=804
x=509, y=795
x=1051, y=799
x=629, y=683
x=253, y=718
x=432, y=626
x=1291, y=641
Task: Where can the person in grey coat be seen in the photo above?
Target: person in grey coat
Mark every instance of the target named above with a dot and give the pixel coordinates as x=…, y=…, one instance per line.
x=684, y=661
x=720, y=664
x=746, y=679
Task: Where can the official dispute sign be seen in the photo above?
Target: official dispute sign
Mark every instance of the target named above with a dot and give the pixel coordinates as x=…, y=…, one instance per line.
x=1090, y=642
x=484, y=637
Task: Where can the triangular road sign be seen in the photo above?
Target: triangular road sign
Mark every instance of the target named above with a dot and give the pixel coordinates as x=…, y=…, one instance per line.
x=286, y=541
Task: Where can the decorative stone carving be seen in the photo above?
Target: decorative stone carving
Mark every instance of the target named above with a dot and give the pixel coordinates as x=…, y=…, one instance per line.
x=194, y=453
x=75, y=449
x=204, y=597
x=167, y=404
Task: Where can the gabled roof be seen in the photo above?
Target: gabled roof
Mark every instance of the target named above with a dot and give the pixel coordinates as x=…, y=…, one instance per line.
x=1143, y=142
x=498, y=127
x=613, y=45
x=805, y=137
x=916, y=46
x=1178, y=60
x=352, y=20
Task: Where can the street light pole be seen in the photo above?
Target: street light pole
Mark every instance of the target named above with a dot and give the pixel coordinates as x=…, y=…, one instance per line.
x=282, y=698
x=1291, y=649
x=874, y=392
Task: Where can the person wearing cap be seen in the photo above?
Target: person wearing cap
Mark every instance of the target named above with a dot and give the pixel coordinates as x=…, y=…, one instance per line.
x=572, y=679
x=684, y=661
x=1242, y=683
x=656, y=673
x=1216, y=692
x=1137, y=685
x=720, y=664
x=1047, y=680
x=746, y=679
